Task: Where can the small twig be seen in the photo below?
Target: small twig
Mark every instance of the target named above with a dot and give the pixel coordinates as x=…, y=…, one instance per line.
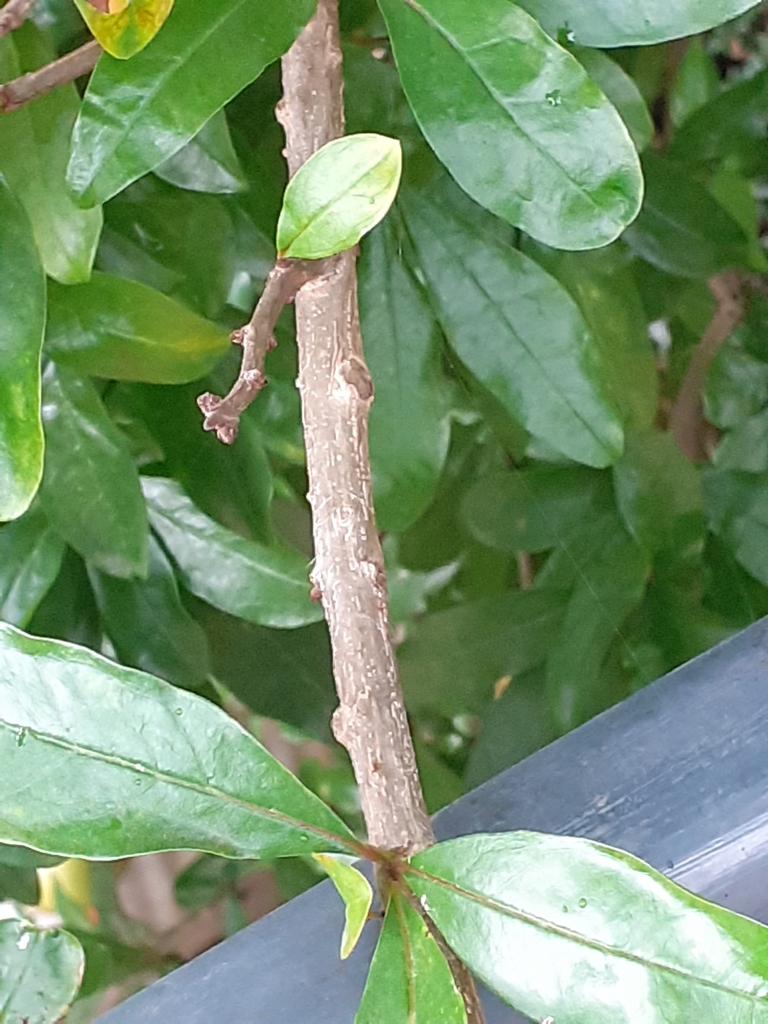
x=16, y=93
x=13, y=15
x=687, y=421
x=524, y=570
x=257, y=338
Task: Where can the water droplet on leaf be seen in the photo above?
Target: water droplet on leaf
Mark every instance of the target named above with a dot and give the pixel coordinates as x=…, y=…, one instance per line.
x=582, y=903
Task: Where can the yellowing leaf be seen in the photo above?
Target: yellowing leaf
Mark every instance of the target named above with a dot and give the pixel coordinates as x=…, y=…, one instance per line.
x=123, y=27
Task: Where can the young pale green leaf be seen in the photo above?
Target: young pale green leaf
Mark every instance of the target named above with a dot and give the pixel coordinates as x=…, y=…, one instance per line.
x=113, y=327
x=208, y=162
x=585, y=934
x=265, y=585
x=138, y=113
x=139, y=766
x=453, y=658
x=93, y=501
x=30, y=558
x=22, y=301
x=516, y=119
x=40, y=972
x=681, y=229
x=408, y=428
x=148, y=625
x=338, y=195
x=355, y=890
x=34, y=149
x=128, y=26
x=410, y=981
x=605, y=23
x=621, y=90
x=658, y=492
x=517, y=330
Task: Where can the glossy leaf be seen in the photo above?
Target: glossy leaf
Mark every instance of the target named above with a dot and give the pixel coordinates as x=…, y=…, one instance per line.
x=658, y=492
x=208, y=162
x=338, y=195
x=34, y=149
x=265, y=585
x=586, y=934
x=112, y=327
x=355, y=890
x=30, y=558
x=94, y=500
x=127, y=30
x=40, y=972
x=409, y=980
x=22, y=300
x=408, y=427
x=602, y=23
x=454, y=657
x=138, y=113
x=736, y=505
x=732, y=125
x=533, y=509
x=620, y=89
x=681, y=228
x=603, y=286
x=140, y=766
x=148, y=625
x=517, y=330
x=605, y=592
x=516, y=119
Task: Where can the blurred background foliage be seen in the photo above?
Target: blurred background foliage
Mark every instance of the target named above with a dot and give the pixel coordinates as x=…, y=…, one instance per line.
x=529, y=589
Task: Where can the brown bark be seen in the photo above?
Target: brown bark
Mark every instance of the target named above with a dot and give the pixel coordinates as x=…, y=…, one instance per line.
x=16, y=93
x=13, y=15
x=336, y=394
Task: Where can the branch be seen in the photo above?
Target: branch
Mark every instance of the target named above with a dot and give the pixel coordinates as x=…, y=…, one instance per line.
x=336, y=395
x=16, y=93
x=687, y=421
x=257, y=338
x=13, y=15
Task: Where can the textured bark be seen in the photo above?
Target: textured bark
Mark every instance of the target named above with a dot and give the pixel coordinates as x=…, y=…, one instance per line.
x=16, y=93
x=336, y=394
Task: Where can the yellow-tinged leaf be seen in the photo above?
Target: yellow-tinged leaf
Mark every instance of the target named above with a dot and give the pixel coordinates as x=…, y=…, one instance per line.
x=123, y=27
x=355, y=890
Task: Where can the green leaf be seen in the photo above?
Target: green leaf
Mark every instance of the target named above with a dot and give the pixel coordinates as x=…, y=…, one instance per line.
x=620, y=89
x=265, y=585
x=338, y=195
x=409, y=979
x=516, y=119
x=517, y=330
x=606, y=590
x=92, y=500
x=746, y=446
x=129, y=30
x=112, y=327
x=139, y=766
x=148, y=625
x=19, y=884
x=731, y=126
x=30, y=558
x=658, y=492
x=22, y=300
x=208, y=162
x=736, y=505
x=454, y=657
x=34, y=149
x=40, y=972
x=586, y=934
x=601, y=23
x=138, y=113
x=408, y=427
x=603, y=286
x=696, y=83
x=355, y=890
x=681, y=228
x=533, y=509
